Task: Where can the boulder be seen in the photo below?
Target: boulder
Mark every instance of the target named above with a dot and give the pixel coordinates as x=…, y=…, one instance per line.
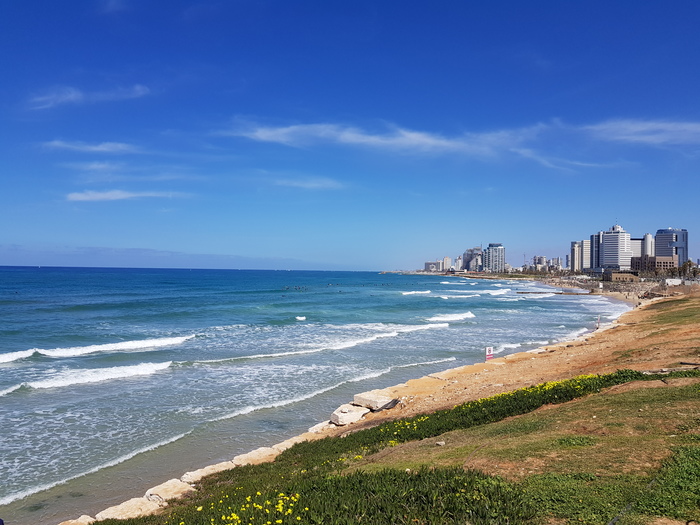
x=346, y=414
x=374, y=400
x=257, y=456
x=171, y=489
x=289, y=443
x=196, y=475
x=82, y=520
x=317, y=429
x=133, y=508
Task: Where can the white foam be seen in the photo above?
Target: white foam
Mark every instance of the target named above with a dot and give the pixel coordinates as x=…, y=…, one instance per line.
x=416, y=292
x=33, y=490
x=9, y=390
x=285, y=402
x=337, y=345
x=15, y=356
x=446, y=297
x=301, y=318
x=95, y=375
x=452, y=317
x=115, y=347
x=500, y=291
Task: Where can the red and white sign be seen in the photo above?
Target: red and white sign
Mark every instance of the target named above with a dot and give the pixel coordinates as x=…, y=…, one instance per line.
x=489, y=352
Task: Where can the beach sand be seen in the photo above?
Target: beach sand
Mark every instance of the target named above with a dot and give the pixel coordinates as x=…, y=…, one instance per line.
x=630, y=342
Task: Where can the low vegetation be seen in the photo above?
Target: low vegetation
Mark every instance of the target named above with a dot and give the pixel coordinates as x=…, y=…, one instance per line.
x=627, y=456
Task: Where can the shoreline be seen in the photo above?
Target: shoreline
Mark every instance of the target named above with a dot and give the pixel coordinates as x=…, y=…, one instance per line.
x=425, y=394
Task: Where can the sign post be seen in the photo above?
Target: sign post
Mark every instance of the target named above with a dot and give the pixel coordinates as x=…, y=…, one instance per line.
x=489, y=352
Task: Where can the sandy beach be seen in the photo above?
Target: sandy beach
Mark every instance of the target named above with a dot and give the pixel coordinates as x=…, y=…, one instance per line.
x=629, y=342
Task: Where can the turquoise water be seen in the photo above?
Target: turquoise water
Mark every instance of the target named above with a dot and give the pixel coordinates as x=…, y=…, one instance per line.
x=114, y=380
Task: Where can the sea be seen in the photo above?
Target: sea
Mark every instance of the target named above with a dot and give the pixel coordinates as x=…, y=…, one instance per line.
x=115, y=380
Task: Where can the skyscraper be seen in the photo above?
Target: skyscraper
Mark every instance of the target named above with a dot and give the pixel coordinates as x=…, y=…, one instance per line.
x=495, y=258
x=672, y=241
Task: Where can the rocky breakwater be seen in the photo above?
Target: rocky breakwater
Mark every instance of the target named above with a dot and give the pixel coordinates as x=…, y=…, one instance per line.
x=156, y=499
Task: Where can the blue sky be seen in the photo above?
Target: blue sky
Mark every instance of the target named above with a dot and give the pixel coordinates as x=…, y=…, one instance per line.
x=341, y=135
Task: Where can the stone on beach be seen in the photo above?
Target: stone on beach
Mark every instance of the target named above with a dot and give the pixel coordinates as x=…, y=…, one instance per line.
x=133, y=508
x=171, y=489
x=321, y=427
x=346, y=414
x=82, y=520
x=196, y=475
x=374, y=400
x=289, y=443
x=257, y=456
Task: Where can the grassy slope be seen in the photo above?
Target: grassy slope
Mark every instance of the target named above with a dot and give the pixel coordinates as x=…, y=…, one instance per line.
x=583, y=461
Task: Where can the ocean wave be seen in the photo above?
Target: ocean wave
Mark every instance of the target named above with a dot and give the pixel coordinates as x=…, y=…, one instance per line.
x=500, y=291
x=95, y=375
x=338, y=345
x=452, y=317
x=6, y=500
x=415, y=292
x=77, y=351
x=16, y=356
x=284, y=402
x=447, y=297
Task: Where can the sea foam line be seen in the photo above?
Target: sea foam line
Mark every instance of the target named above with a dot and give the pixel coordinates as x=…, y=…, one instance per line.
x=33, y=490
x=73, y=377
x=452, y=317
x=415, y=292
x=284, y=402
x=342, y=345
x=76, y=351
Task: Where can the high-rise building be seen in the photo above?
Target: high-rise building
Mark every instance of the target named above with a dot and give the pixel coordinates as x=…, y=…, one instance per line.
x=472, y=260
x=495, y=258
x=672, y=241
x=575, y=257
x=616, y=249
x=648, y=245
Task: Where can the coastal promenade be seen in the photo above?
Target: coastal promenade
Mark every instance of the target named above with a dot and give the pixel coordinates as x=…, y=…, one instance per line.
x=630, y=342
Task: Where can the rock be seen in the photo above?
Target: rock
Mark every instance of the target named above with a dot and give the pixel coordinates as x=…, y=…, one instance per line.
x=317, y=429
x=440, y=443
x=346, y=414
x=289, y=443
x=82, y=520
x=171, y=489
x=374, y=400
x=257, y=456
x=196, y=475
x=133, y=508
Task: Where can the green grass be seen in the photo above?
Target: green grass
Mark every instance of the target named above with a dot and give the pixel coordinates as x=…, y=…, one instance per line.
x=363, y=477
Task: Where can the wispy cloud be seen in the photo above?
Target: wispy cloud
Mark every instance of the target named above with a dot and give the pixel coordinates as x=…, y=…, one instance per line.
x=70, y=95
x=652, y=132
x=310, y=183
x=117, y=195
x=102, y=147
x=554, y=145
x=395, y=139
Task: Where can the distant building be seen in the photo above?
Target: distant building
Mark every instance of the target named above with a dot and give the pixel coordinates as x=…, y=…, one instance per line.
x=459, y=264
x=494, y=258
x=472, y=260
x=434, y=266
x=670, y=242
x=650, y=263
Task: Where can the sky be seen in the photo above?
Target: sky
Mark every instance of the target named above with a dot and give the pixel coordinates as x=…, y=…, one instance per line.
x=363, y=135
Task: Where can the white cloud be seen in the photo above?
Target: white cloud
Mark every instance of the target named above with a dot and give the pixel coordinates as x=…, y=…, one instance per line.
x=652, y=132
x=310, y=183
x=102, y=147
x=116, y=195
x=396, y=139
x=69, y=95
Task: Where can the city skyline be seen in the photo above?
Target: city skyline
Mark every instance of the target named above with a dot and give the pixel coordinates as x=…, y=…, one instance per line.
x=359, y=136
